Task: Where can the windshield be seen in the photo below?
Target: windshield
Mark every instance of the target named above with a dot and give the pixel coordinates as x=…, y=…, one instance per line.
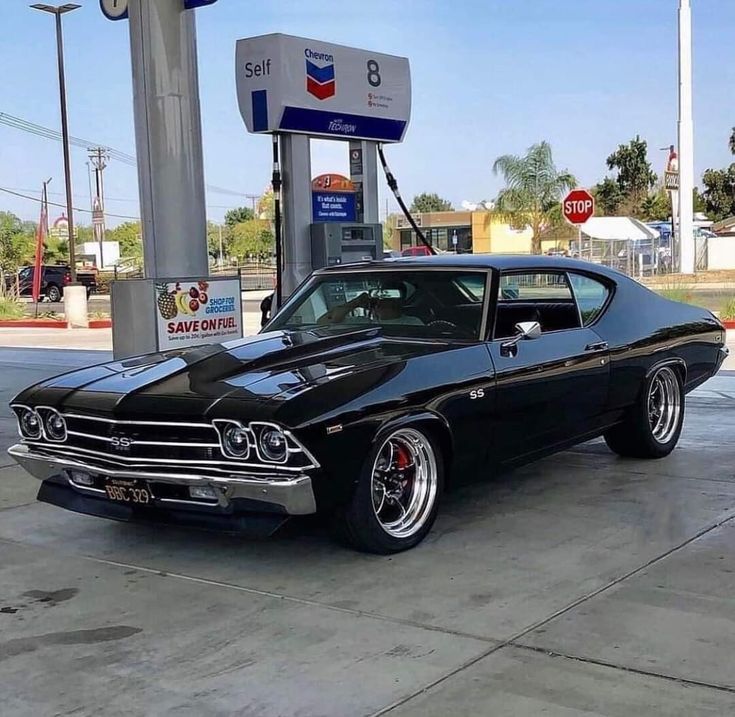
x=415, y=303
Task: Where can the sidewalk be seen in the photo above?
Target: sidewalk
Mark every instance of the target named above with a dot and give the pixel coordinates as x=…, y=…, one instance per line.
x=89, y=339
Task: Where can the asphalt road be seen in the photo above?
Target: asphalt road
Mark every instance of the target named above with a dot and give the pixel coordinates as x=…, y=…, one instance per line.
x=583, y=584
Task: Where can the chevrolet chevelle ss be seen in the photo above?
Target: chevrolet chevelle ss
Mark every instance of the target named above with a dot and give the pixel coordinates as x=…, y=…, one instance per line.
x=376, y=387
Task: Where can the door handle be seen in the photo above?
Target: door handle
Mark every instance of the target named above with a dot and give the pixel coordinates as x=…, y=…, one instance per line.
x=596, y=346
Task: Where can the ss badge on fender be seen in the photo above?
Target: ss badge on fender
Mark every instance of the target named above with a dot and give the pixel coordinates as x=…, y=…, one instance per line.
x=477, y=393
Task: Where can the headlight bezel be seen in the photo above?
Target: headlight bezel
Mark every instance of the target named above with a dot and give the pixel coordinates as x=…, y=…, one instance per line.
x=223, y=426
x=259, y=455
x=50, y=432
x=261, y=447
x=22, y=411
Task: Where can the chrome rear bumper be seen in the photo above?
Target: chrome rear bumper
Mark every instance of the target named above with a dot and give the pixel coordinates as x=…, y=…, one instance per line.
x=293, y=493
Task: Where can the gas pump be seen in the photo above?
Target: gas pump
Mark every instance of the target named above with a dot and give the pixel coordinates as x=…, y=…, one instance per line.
x=295, y=89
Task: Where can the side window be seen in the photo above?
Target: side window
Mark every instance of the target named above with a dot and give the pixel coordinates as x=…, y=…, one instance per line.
x=25, y=273
x=543, y=296
x=591, y=296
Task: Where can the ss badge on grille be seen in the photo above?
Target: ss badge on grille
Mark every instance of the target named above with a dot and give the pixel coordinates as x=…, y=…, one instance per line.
x=121, y=443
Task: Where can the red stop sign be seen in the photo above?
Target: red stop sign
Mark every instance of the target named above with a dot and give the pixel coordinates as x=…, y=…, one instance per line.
x=578, y=206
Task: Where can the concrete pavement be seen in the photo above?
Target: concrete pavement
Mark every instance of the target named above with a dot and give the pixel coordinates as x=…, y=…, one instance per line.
x=583, y=584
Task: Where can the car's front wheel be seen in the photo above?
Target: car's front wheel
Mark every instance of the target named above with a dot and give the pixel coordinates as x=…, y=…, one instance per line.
x=653, y=426
x=397, y=497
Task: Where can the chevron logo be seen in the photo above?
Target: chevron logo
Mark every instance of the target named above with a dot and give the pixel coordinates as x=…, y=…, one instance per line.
x=320, y=80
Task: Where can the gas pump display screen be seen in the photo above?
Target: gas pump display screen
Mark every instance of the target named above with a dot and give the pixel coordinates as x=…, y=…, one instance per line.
x=357, y=234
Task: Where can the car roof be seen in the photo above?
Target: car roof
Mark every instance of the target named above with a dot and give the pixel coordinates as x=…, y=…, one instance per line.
x=499, y=262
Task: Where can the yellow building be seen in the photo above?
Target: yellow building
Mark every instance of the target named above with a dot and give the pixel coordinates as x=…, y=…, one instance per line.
x=475, y=232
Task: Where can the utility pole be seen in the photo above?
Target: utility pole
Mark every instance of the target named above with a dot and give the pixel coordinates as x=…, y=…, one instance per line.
x=687, y=258
x=98, y=156
x=254, y=200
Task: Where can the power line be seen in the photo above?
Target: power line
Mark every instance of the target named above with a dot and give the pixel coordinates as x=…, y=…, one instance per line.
x=63, y=206
x=122, y=199
x=129, y=159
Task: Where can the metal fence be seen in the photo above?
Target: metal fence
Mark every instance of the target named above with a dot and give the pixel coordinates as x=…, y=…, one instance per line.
x=254, y=276
x=638, y=258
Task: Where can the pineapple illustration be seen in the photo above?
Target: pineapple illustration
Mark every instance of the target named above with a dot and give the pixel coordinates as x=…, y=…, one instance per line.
x=166, y=302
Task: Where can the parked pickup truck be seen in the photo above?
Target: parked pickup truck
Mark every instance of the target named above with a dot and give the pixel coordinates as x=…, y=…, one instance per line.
x=53, y=280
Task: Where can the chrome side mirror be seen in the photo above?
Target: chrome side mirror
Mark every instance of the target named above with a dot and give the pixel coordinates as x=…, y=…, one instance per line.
x=525, y=330
x=528, y=330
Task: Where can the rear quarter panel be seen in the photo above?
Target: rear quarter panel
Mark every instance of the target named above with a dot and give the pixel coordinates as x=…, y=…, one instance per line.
x=643, y=328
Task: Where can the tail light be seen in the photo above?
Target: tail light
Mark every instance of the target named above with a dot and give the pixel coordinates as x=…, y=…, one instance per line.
x=67, y=277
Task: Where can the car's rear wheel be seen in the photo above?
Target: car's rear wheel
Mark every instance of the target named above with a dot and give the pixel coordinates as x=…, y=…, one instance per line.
x=397, y=498
x=653, y=426
x=53, y=293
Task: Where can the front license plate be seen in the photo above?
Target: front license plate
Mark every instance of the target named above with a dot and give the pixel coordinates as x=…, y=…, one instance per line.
x=123, y=491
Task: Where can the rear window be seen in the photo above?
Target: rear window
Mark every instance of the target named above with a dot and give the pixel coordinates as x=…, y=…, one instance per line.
x=591, y=296
x=534, y=286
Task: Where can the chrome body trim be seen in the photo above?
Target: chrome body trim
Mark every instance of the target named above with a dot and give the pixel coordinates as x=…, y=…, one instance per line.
x=293, y=493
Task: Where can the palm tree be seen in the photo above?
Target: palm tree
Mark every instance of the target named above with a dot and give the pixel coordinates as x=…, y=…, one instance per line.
x=534, y=190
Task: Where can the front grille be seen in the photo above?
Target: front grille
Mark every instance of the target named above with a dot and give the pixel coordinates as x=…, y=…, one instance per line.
x=154, y=447
x=145, y=439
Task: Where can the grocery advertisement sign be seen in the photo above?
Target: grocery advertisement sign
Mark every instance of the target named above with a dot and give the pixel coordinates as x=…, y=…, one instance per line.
x=191, y=312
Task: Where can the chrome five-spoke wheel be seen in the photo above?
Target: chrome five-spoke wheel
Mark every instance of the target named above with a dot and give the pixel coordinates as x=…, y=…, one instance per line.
x=404, y=482
x=664, y=405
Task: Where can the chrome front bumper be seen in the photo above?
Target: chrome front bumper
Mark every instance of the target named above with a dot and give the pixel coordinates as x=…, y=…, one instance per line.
x=293, y=493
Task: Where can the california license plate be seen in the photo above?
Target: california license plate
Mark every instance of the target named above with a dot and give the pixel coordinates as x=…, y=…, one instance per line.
x=127, y=491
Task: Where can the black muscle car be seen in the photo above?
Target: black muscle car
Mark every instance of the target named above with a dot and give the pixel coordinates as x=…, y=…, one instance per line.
x=374, y=388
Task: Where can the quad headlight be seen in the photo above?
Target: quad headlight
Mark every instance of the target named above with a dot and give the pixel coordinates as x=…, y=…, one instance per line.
x=261, y=442
x=272, y=444
x=235, y=441
x=29, y=422
x=54, y=425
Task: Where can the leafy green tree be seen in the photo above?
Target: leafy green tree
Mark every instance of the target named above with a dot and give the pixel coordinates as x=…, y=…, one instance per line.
x=719, y=192
x=426, y=202
x=237, y=215
x=129, y=236
x=608, y=197
x=534, y=189
x=700, y=203
x=17, y=244
x=266, y=206
x=252, y=238
x=633, y=174
x=656, y=207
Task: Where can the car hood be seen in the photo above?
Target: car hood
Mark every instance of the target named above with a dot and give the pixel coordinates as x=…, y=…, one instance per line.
x=260, y=372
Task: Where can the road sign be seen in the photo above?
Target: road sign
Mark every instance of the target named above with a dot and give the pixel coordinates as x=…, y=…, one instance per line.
x=292, y=84
x=671, y=181
x=114, y=9
x=578, y=206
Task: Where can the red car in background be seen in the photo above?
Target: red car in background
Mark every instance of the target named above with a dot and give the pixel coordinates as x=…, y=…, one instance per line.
x=416, y=251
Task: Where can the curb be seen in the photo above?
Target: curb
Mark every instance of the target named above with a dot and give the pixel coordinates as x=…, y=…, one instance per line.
x=50, y=324
x=729, y=324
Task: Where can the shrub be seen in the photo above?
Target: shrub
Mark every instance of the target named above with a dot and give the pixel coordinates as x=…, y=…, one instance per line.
x=727, y=312
x=10, y=308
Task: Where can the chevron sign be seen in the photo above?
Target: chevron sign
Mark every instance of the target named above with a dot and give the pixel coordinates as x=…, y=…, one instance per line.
x=320, y=80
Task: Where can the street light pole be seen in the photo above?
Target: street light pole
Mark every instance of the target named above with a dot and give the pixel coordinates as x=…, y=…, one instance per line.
x=686, y=142
x=58, y=11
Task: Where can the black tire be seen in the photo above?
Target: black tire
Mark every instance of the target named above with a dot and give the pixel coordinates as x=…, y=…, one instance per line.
x=637, y=436
x=53, y=293
x=358, y=523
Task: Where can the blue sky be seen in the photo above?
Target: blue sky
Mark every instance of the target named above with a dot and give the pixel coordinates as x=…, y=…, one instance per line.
x=489, y=77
